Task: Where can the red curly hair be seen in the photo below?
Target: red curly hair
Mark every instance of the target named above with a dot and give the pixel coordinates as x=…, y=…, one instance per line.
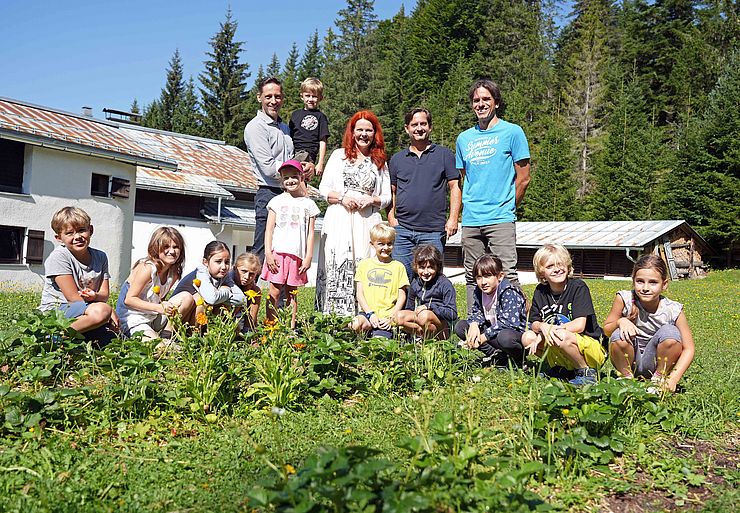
x=377, y=147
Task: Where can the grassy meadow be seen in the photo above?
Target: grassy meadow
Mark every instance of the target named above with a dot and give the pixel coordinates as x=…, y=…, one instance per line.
x=320, y=421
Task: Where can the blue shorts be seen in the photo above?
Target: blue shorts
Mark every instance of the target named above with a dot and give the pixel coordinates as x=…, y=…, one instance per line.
x=73, y=310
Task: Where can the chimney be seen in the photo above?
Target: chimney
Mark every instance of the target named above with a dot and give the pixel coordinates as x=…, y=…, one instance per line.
x=87, y=112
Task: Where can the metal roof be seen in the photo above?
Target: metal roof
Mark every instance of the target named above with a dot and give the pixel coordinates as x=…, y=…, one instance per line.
x=43, y=126
x=227, y=165
x=591, y=234
x=182, y=183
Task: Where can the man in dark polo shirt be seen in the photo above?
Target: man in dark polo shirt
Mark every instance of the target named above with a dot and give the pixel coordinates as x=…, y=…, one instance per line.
x=420, y=178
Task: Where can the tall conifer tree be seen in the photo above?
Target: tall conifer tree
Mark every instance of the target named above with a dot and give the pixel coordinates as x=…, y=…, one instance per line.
x=224, y=90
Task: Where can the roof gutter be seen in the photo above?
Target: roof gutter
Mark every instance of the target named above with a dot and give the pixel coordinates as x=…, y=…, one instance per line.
x=90, y=151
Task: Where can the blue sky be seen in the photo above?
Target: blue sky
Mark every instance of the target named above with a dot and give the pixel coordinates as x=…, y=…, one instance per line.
x=66, y=54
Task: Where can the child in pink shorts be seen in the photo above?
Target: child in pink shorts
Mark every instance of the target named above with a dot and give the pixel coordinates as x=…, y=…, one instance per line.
x=288, y=239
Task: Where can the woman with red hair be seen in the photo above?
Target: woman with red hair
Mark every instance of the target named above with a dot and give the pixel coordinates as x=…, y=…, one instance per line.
x=356, y=185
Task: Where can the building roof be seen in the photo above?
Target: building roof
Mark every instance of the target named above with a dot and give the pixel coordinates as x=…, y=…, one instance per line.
x=182, y=183
x=226, y=165
x=43, y=126
x=205, y=160
x=593, y=234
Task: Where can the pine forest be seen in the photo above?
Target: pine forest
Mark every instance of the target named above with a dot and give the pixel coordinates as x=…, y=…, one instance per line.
x=631, y=108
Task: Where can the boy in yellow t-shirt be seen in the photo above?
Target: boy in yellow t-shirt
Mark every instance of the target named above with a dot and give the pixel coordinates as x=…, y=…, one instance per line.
x=381, y=285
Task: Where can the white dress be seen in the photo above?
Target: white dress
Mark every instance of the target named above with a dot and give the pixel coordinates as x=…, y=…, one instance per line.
x=345, y=236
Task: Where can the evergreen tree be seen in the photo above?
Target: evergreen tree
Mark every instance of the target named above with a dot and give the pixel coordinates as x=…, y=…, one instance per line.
x=134, y=109
x=704, y=188
x=450, y=104
x=223, y=90
x=273, y=69
x=584, y=57
x=187, y=116
x=349, y=63
x=551, y=195
x=153, y=116
x=291, y=85
x=515, y=49
x=629, y=171
x=312, y=61
x=172, y=93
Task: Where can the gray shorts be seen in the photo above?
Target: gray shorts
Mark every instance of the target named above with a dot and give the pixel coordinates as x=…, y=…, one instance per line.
x=646, y=360
x=497, y=239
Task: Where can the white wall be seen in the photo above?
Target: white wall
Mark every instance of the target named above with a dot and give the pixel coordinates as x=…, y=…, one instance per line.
x=54, y=179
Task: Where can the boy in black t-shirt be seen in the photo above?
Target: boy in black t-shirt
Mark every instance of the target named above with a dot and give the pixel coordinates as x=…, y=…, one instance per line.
x=309, y=127
x=563, y=324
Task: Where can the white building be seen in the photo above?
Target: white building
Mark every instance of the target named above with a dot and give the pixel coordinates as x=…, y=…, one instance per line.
x=203, y=187
x=50, y=159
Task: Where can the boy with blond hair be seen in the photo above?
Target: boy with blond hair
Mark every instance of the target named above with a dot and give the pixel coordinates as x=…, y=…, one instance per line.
x=309, y=127
x=77, y=279
x=563, y=324
x=381, y=285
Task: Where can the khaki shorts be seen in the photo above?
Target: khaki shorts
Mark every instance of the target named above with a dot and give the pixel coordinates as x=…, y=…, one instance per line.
x=591, y=349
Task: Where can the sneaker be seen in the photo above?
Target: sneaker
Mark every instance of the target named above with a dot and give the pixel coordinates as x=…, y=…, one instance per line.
x=657, y=384
x=584, y=377
x=167, y=346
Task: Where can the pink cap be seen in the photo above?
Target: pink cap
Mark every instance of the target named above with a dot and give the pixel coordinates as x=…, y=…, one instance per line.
x=292, y=163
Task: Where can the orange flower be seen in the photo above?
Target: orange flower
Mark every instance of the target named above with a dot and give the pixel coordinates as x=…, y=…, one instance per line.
x=156, y=289
x=201, y=318
x=299, y=345
x=196, y=282
x=263, y=339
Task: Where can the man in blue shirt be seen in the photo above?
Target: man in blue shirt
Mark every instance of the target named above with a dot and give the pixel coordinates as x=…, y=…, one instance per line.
x=493, y=158
x=420, y=178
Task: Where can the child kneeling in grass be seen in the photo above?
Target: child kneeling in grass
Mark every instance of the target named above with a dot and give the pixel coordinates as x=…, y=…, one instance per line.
x=498, y=317
x=77, y=281
x=431, y=304
x=381, y=285
x=563, y=324
x=650, y=336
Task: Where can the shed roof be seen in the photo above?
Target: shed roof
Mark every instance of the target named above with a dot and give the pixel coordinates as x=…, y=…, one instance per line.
x=593, y=234
x=43, y=126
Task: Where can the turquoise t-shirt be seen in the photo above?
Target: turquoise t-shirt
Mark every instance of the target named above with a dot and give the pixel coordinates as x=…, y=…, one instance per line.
x=488, y=157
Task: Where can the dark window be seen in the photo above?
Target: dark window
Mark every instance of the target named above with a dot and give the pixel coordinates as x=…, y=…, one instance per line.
x=35, y=247
x=166, y=204
x=120, y=188
x=11, y=244
x=11, y=166
x=99, y=185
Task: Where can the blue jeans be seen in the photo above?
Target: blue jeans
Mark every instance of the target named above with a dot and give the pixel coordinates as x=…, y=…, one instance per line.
x=407, y=240
x=261, y=199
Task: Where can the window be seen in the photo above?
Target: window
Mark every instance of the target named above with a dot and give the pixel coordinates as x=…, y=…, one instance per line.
x=99, y=185
x=11, y=244
x=11, y=166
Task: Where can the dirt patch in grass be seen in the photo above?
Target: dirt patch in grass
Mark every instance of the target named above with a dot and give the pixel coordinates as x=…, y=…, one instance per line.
x=712, y=460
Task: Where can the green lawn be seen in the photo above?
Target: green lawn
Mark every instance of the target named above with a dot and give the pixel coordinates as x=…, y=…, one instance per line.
x=364, y=425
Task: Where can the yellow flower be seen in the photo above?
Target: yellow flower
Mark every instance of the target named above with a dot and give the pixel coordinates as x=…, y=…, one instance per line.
x=294, y=292
x=199, y=301
x=271, y=326
x=201, y=318
x=348, y=431
x=251, y=295
x=289, y=469
x=565, y=411
x=263, y=339
x=156, y=289
x=196, y=282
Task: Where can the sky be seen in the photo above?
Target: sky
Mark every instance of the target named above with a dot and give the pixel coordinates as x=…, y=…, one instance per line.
x=75, y=53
